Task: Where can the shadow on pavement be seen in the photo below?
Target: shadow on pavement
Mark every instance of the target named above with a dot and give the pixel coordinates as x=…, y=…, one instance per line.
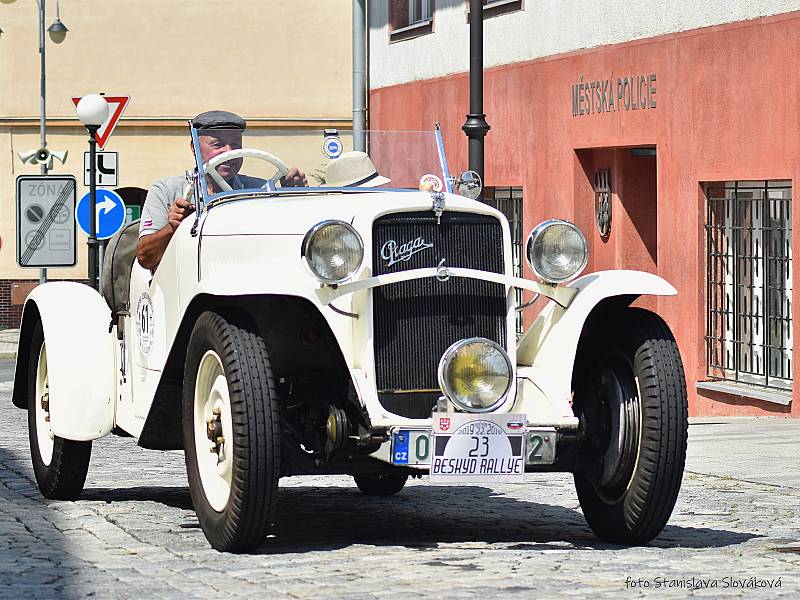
x=37, y=561
x=174, y=497
x=422, y=517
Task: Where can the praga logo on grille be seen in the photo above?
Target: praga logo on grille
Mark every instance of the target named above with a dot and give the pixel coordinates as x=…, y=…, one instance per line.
x=392, y=252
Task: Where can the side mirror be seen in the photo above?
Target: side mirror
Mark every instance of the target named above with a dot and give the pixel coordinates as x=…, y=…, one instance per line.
x=469, y=185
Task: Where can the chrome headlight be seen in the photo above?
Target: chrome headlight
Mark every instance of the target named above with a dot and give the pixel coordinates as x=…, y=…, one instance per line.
x=333, y=251
x=475, y=374
x=557, y=251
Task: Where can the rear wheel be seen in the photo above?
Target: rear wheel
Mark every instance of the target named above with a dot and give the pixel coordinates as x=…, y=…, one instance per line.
x=59, y=465
x=231, y=432
x=633, y=408
x=380, y=485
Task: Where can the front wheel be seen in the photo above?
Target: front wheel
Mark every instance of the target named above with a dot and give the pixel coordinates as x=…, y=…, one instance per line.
x=59, y=465
x=231, y=432
x=634, y=410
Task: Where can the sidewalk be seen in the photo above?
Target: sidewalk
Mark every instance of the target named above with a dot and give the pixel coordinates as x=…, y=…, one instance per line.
x=8, y=343
x=755, y=449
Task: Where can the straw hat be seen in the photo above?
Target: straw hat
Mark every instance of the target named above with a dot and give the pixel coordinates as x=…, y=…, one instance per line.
x=353, y=169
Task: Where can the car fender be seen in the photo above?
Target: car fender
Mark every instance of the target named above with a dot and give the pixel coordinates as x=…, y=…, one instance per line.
x=551, y=343
x=80, y=358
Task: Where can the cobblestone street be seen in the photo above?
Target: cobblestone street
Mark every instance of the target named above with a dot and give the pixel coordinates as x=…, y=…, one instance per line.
x=133, y=533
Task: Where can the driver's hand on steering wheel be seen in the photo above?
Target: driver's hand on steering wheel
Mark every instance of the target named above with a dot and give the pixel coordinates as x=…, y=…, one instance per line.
x=294, y=178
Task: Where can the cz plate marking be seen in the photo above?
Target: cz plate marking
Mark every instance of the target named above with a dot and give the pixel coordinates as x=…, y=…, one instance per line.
x=411, y=447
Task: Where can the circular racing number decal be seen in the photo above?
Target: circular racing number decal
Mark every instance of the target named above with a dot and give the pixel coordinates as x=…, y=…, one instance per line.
x=144, y=323
x=430, y=183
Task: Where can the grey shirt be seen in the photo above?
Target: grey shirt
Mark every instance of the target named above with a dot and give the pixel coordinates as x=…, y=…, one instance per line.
x=164, y=192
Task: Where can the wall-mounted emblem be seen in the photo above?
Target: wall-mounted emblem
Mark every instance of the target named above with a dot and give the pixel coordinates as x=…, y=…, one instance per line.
x=602, y=201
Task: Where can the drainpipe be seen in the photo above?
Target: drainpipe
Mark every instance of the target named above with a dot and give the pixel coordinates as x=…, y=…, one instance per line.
x=359, y=75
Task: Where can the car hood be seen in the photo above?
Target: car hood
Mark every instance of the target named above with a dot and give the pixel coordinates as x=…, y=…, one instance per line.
x=296, y=214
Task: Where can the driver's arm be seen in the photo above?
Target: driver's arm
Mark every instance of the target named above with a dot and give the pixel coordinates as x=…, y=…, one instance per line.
x=160, y=218
x=151, y=247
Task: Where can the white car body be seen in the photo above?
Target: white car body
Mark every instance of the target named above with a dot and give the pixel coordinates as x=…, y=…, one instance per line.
x=251, y=247
x=242, y=344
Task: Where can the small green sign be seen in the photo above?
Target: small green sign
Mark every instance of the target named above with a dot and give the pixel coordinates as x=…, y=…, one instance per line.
x=132, y=213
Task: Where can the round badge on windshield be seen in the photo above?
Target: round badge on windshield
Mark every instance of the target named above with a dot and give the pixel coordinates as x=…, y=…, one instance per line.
x=332, y=147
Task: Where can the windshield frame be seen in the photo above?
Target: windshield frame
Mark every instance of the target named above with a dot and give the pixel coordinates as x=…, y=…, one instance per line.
x=203, y=198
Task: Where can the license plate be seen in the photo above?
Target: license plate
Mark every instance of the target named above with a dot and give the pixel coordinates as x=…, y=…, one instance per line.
x=411, y=447
x=478, y=448
x=541, y=446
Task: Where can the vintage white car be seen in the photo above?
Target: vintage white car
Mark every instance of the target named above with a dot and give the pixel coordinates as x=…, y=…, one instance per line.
x=361, y=331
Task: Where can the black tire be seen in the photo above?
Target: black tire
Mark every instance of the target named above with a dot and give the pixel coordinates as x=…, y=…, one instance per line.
x=381, y=485
x=627, y=490
x=243, y=522
x=63, y=476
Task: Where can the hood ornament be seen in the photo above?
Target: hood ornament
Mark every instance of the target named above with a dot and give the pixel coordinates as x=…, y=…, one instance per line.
x=438, y=205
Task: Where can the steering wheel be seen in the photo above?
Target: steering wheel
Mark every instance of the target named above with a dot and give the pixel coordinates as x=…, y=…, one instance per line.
x=211, y=168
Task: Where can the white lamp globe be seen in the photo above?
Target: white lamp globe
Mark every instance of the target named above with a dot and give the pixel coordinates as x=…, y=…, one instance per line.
x=92, y=110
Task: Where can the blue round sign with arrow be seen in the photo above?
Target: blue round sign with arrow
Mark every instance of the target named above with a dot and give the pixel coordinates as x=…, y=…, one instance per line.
x=110, y=213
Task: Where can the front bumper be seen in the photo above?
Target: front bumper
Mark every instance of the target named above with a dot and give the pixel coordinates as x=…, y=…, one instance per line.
x=415, y=447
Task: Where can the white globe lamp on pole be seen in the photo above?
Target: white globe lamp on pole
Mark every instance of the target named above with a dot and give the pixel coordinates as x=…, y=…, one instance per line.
x=93, y=112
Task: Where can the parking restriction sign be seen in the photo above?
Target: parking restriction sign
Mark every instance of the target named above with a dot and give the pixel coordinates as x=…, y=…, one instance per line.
x=46, y=221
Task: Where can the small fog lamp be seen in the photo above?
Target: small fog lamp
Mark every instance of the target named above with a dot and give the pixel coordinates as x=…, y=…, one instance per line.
x=475, y=374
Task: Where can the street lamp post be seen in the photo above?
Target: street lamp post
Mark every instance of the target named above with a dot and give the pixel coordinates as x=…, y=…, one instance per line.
x=476, y=126
x=92, y=112
x=58, y=32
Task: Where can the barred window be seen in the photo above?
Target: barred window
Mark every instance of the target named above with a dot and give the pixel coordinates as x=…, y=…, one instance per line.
x=749, y=275
x=508, y=200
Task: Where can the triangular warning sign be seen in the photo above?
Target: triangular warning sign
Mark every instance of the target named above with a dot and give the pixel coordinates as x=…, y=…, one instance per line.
x=116, y=106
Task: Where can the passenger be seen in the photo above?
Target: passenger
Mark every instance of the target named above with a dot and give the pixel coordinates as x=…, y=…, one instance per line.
x=165, y=207
x=353, y=169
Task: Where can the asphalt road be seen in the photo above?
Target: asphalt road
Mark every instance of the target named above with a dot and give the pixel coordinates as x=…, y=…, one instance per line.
x=133, y=533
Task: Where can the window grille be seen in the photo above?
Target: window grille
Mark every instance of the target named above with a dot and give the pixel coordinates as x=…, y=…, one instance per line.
x=749, y=278
x=508, y=200
x=419, y=11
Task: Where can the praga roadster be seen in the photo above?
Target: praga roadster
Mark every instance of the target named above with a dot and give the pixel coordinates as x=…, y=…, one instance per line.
x=361, y=331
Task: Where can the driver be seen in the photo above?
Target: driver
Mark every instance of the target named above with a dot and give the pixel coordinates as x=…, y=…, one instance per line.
x=165, y=207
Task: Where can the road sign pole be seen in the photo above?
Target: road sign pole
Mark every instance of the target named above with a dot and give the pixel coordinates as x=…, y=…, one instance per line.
x=93, y=271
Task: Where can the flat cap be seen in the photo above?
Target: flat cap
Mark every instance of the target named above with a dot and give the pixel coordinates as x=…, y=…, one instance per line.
x=218, y=119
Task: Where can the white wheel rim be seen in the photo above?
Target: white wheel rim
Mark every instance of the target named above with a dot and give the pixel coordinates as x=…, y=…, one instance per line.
x=44, y=434
x=210, y=392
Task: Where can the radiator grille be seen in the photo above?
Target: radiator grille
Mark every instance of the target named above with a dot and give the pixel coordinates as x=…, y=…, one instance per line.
x=416, y=321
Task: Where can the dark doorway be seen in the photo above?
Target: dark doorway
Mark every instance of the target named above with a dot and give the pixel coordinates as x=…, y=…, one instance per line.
x=621, y=219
